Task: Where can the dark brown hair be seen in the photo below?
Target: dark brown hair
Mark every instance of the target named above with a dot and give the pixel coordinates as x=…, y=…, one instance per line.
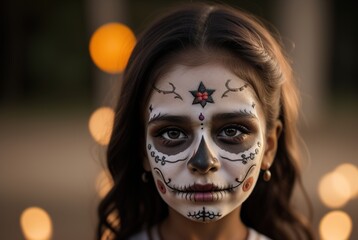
x=257, y=57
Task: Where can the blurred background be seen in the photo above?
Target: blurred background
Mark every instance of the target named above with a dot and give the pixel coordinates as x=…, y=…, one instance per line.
x=56, y=101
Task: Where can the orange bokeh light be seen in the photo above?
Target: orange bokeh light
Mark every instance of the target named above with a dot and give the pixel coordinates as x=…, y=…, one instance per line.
x=36, y=224
x=104, y=183
x=101, y=124
x=334, y=190
x=350, y=172
x=110, y=47
x=336, y=225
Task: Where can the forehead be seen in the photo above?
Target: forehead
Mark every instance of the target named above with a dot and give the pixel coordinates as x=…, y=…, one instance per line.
x=182, y=87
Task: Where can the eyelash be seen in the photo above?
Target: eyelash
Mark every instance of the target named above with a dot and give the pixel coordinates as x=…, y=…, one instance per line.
x=171, y=142
x=241, y=130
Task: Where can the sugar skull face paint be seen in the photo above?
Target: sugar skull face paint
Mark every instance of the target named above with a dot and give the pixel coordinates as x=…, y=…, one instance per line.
x=205, y=135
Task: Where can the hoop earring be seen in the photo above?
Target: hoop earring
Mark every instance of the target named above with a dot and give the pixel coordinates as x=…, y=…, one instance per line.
x=145, y=177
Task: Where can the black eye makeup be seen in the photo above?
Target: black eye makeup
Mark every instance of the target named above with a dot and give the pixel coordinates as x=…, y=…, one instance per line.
x=235, y=134
x=170, y=137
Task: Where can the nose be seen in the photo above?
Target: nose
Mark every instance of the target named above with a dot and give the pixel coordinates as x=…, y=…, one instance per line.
x=203, y=162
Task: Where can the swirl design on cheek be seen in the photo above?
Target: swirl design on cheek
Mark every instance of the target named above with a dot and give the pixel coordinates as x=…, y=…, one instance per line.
x=160, y=174
x=203, y=215
x=245, y=158
x=229, y=89
x=247, y=174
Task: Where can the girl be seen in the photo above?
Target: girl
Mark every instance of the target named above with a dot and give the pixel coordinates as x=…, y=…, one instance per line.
x=204, y=144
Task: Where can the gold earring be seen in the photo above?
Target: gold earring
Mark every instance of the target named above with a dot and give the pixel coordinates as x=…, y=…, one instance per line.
x=145, y=177
x=267, y=173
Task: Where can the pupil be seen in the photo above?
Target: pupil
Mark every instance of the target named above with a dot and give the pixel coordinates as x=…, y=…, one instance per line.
x=173, y=134
x=230, y=132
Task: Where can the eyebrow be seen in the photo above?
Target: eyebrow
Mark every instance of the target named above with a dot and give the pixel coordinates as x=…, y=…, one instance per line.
x=237, y=114
x=169, y=118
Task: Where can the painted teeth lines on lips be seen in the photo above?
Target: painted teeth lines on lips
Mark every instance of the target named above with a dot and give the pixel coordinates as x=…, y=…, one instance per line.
x=197, y=188
x=203, y=196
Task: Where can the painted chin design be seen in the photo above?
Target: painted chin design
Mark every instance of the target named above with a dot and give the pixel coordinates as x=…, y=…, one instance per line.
x=204, y=215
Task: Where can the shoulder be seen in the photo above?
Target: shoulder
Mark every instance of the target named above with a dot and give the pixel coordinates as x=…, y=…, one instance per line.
x=254, y=235
x=144, y=235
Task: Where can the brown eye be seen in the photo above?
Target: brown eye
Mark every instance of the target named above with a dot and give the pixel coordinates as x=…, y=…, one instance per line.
x=172, y=137
x=231, y=132
x=173, y=134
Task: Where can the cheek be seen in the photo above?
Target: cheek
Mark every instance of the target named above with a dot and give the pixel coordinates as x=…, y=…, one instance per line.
x=245, y=172
x=157, y=156
x=248, y=184
x=237, y=164
x=161, y=186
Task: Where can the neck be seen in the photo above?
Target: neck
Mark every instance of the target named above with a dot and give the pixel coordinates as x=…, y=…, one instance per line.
x=177, y=226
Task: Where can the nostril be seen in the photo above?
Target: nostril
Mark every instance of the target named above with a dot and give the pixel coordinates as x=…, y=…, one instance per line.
x=213, y=169
x=203, y=167
x=202, y=161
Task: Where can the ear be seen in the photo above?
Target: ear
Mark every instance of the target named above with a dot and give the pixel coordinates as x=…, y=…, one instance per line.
x=272, y=137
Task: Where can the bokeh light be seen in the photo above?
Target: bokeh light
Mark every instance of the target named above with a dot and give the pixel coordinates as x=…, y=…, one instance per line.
x=336, y=225
x=350, y=172
x=113, y=219
x=110, y=47
x=104, y=183
x=334, y=190
x=36, y=224
x=107, y=234
x=101, y=124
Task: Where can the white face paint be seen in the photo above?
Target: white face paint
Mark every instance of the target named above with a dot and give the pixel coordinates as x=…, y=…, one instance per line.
x=205, y=135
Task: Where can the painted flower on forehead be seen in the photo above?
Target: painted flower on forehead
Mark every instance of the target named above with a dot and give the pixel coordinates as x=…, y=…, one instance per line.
x=202, y=95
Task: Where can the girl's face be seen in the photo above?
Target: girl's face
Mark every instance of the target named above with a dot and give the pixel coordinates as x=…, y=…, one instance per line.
x=204, y=140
